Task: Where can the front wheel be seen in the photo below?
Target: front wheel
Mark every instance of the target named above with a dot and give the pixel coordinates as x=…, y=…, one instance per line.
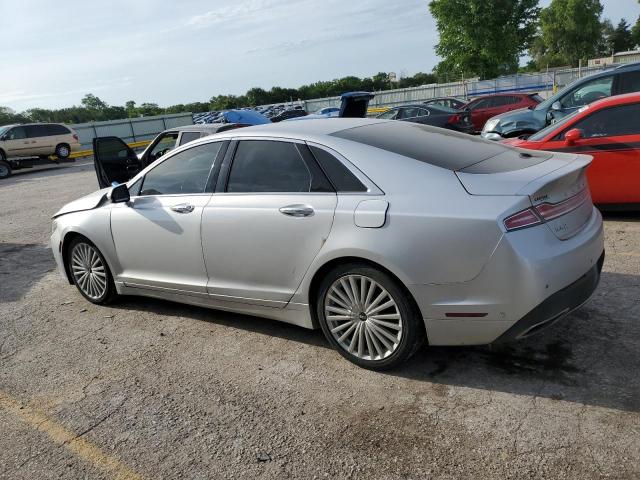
x=90, y=272
x=63, y=151
x=5, y=168
x=368, y=317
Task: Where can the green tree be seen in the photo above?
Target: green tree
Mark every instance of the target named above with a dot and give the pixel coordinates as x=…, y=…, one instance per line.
x=130, y=107
x=9, y=116
x=622, y=39
x=605, y=45
x=483, y=38
x=635, y=32
x=570, y=30
x=149, y=109
x=92, y=102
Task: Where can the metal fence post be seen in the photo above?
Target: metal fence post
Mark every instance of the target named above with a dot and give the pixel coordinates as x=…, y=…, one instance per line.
x=133, y=132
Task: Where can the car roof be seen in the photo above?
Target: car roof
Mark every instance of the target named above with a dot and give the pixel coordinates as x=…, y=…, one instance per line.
x=199, y=127
x=505, y=94
x=312, y=127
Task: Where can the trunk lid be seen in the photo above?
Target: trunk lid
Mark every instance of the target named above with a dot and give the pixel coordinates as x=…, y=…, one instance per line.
x=555, y=183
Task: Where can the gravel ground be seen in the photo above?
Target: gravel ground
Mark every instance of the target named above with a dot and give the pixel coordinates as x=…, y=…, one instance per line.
x=152, y=389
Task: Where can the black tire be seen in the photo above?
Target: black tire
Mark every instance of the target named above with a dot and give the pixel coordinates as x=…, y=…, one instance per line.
x=109, y=293
x=63, y=150
x=5, y=168
x=413, y=331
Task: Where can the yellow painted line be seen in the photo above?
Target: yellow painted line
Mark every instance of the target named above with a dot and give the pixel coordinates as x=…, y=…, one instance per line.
x=88, y=153
x=377, y=109
x=60, y=435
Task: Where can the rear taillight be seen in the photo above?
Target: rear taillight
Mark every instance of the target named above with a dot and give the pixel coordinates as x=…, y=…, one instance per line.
x=545, y=212
x=455, y=118
x=75, y=137
x=549, y=211
x=523, y=219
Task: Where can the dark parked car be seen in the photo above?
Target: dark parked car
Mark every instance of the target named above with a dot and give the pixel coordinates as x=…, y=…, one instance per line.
x=449, y=102
x=614, y=81
x=487, y=106
x=287, y=114
x=434, y=115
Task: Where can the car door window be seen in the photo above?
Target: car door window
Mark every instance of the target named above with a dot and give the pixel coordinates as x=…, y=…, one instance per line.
x=166, y=143
x=184, y=173
x=189, y=137
x=35, y=131
x=609, y=122
x=629, y=82
x=484, y=103
x=502, y=101
x=409, y=112
x=268, y=166
x=16, y=133
x=588, y=92
x=389, y=114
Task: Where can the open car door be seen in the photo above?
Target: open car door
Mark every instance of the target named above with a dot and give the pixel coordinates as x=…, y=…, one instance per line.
x=114, y=161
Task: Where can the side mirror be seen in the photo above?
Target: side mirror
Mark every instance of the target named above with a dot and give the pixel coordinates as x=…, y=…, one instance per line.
x=119, y=194
x=557, y=106
x=4, y=137
x=572, y=136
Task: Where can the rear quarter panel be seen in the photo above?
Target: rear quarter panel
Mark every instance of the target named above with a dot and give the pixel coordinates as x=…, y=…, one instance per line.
x=434, y=233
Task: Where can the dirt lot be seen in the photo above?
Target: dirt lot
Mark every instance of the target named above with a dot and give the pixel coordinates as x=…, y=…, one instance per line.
x=152, y=389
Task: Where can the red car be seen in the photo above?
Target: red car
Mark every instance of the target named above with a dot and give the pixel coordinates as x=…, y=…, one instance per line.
x=487, y=106
x=609, y=131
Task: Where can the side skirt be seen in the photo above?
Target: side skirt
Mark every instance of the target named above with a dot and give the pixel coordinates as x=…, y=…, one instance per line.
x=293, y=313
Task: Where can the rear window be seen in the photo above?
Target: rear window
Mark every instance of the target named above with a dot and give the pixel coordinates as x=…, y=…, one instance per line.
x=442, y=148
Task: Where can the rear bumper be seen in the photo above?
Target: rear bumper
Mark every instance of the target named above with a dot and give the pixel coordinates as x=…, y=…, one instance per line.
x=556, y=306
x=527, y=268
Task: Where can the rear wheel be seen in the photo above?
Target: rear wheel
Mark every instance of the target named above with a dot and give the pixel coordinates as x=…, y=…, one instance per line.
x=90, y=272
x=63, y=151
x=5, y=168
x=368, y=317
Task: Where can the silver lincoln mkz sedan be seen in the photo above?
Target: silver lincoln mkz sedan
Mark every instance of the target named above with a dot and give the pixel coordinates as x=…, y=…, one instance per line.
x=382, y=233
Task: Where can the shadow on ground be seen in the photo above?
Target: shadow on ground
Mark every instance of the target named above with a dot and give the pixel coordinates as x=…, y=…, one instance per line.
x=21, y=266
x=590, y=357
x=41, y=171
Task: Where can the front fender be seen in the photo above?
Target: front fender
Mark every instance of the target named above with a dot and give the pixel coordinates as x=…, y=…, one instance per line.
x=95, y=225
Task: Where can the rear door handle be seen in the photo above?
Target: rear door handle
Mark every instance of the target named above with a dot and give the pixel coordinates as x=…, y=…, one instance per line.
x=297, y=210
x=183, y=208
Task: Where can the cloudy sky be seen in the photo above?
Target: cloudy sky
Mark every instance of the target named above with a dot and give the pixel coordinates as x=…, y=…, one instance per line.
x=171, y=52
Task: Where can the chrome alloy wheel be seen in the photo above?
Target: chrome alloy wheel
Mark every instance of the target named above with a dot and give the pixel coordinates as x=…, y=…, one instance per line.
x=363, y=317
x=89, y=271
x=63, y=151
x=4, y=171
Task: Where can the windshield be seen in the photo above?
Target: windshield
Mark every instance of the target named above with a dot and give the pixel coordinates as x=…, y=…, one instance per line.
x=549, y=101
x=536, y=137
x=5, y=128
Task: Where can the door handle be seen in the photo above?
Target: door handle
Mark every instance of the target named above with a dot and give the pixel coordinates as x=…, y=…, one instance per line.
x=182, y=208
x=297, y=210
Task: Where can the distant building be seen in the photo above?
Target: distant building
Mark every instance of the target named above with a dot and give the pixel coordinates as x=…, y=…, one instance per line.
x=616, y=58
